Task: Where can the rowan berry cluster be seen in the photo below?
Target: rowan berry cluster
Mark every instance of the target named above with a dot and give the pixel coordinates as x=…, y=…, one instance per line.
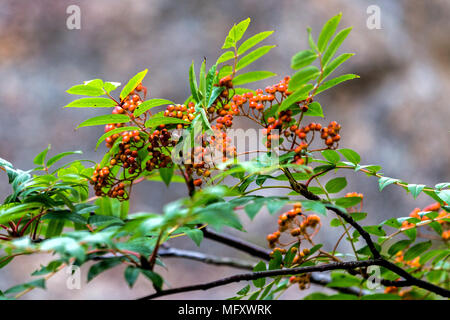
x=127, y=106
x=181, y=111
x=303, y=280
x=298, y=226
x=158, y=142
x=209, y=150
x=127, y=157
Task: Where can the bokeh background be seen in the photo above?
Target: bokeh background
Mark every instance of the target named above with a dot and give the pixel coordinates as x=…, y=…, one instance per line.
x=396, y=115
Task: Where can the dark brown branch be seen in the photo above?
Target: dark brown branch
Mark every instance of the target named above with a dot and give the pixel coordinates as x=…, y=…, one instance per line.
x=263, y=274
x=236, y=243
x=205, y=258
x=409, y=279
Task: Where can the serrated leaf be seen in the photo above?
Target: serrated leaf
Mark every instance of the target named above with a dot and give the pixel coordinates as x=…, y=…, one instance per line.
x=196, y=235
x=147, y=105
x=166, y=174
x=58, y=157
x=314, y=110
x=252, y=41
x=132, y=84
x=92, y=103
x=236, y=33
x=303, y=76
x=336, y=63
x=260, y=266
x=227, y=55
x=193, y=83
x=334, y=45
x=350, y=155
x=335, y=185
x=252, y=56
x=383, y=182
x=331, y=156
x=105, y=119
x=157, y=121
x=416, y=250
x=333, y=82
x=415, y=189
x=327, y=32
x=131, y=274
x=300, y=94
x=252, y=77
x=40, y=158
x=303, y=58
x=86, y=90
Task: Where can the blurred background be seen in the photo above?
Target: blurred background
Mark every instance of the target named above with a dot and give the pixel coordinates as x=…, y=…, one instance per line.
x=396, y=115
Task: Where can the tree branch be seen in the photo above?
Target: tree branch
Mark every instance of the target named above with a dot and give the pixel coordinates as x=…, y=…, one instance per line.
x=263, y=274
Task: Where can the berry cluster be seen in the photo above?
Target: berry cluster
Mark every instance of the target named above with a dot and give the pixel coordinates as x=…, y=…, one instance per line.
x=127, y=106
x=298, y=226
x=158, y=142
x=303, y=280
x=330, y=135
x=127, y=157
x=181, y=111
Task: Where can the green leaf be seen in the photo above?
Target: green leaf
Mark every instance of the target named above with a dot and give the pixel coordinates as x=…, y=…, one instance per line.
x=415, y=189
x=111, y=86
x=300, y=94
x=147, y=105
x=38, y=283
x=335, y=185
x=92, y=103
x=303, y=58
x=383, y=182
x=58, y=157
x=157, y=121
x=227, y=55
x=113, y=131
x=350, y=155
x=202, y=79
x=166, y=174
x=303, y=76
x=327, y=32
x=311, y=42
x=102, y=266
x=252, y=77
x=398, y=246
x=381, y=296
x=244, y=290
x=132, y=84
x=314, y=110
x=331, y=156
x=252, y=56
x=336, y=63
x=343, y=280
x=333, y=82
x=375, y=230
x=315, y=206
x=334, y=45
x=193, y=83
x=196, y=235
x=105, y=119
x=417, y=250
x=444, y=195
x=348, y=202
x=235, y=34
x=259, y=283
x=252, y=41
x=86, y=90
x=40, y=158
x=154, y=278
x=131, y=274
x=253, y=208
